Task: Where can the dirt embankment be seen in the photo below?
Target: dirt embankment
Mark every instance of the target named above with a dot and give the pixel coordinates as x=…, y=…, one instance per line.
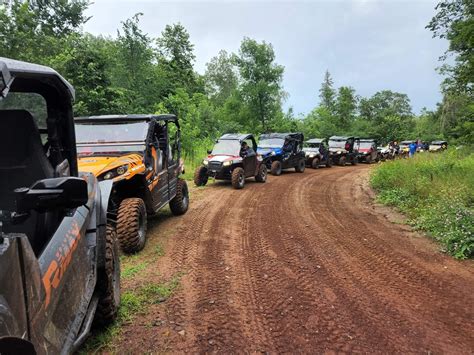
x=303, y=263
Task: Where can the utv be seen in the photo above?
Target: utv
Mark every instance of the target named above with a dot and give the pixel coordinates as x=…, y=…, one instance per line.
x=59, y=265
x=438, y=146
x=317, y=153
x=344, y=150
x=141, y=156
x=282, y=151
x=368, y=151
x=233, y=158
x=405, y=148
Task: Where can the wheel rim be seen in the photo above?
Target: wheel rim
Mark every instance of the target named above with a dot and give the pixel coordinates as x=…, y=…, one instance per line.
x=185, y=197
x=241, y=180
x=116, y=275
x=141, y=228
x=264, y=174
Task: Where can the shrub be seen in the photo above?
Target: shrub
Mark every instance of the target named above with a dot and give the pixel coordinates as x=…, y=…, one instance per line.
x=436, y=192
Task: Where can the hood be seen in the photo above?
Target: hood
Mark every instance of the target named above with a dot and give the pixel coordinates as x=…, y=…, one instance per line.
x=267, y=151
x=100, y=165
x=434, y=147
x=221, y=158
x=310, y=149
x=335, y=150
x=364, y=150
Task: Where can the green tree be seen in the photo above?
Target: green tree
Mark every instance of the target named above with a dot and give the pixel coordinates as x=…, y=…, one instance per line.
x=345, y=106
x=176, y=56
x=221, y=78
x=261, y=87
x=327, y=93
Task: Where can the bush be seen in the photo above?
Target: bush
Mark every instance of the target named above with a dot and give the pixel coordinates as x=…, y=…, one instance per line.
x=436, y=192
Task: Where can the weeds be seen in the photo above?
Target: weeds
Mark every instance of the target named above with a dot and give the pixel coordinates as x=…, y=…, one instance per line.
x=436, y=192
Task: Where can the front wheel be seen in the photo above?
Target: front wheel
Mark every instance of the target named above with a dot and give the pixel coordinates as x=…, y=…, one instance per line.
x=109, y=281
x=238, y=178
x=342, y=161
x=329, y=162
x=368, y=159
x=300, y=167
x=276, y=168
x=200, y=176
x=354, y=160
x=315, y=163
x=262, y=173
x=180, y=203
x=132, y=225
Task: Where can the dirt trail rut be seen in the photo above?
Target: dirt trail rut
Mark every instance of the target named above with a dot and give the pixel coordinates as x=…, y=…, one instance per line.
x=306, y=263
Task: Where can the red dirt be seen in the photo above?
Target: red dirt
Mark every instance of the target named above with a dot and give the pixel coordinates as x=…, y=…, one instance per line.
x=304, y=263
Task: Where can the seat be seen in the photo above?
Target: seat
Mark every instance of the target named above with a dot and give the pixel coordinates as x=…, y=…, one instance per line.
x=22, y=162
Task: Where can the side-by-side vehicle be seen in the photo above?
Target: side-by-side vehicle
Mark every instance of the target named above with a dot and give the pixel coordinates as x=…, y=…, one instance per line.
x=233, y=158
x=59, y=262
x=282, y=151
x=317, y=153
x=141, y=155
x=344, y=150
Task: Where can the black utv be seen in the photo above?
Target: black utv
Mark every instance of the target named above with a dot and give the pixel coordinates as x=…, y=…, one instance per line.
x=344, y=150
x=59, y=265
x=282, y=151
x=317, y=153
x=233, y=158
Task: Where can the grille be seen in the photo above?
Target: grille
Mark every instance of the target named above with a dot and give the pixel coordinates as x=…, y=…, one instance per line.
x=215, y=165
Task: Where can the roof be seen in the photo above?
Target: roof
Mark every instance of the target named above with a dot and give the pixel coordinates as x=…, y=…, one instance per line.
x=367, y=140
x=407, y=142
x=439, y=142
x=339, y=138
x=315, y=140
x=16, y=68
x=236, y=136
x=125, y=118
x=294, y=135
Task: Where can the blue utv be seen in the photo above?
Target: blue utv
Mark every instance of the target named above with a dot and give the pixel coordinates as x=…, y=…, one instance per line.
x=282, y=151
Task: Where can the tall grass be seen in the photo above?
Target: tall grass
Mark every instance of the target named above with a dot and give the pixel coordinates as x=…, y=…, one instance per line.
x=436, y=192
x=193, y=157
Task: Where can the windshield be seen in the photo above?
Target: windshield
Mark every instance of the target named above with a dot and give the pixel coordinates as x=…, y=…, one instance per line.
x=337, y=144
x=271, y=143
x=111, y=138
x=366, y=144
x=226, y=147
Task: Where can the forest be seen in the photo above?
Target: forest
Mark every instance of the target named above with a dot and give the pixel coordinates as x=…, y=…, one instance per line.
x=136, y=73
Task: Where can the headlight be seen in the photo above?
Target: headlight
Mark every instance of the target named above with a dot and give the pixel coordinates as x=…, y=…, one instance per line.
x=339, y=152
x=205, y=162
x=312, y=155
x=273, y=152
x=115, y=172
x=108, y=175
x=227, y=163
x=122, y=169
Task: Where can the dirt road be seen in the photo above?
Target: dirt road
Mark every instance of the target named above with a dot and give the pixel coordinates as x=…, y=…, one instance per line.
x=303, y=263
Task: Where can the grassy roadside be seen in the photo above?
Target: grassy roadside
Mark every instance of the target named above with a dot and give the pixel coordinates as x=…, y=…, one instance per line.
x=436, y=192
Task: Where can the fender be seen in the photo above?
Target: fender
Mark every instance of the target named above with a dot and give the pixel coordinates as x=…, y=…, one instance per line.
x=105, y=187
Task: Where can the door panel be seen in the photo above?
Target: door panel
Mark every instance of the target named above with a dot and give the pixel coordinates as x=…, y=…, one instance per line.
x=172, y=179
x=250, y=164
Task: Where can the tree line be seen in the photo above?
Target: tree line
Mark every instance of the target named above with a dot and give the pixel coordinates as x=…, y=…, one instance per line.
x=136, y=73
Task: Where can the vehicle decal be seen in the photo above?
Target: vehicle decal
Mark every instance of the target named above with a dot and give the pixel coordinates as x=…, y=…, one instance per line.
x=58, y=266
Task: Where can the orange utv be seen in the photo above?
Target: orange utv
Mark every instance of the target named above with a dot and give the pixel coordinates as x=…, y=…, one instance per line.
x=141, y=154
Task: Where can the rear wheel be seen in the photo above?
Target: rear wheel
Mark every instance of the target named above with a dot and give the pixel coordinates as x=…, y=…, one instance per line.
x=299, y=168
x=315, y=163
x=200, y=176
x=342, y=161
x=329, y=162
x=276, y=168
x=131, y=225
x=180, y=203
x=109, y=281
x=238, y=178
x=262, y=173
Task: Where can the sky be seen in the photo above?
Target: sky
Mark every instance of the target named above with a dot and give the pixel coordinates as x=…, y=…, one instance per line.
x=367, y=44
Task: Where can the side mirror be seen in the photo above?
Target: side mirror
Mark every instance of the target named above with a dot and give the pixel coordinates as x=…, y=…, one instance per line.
x=49, y=194
x=209, y=151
